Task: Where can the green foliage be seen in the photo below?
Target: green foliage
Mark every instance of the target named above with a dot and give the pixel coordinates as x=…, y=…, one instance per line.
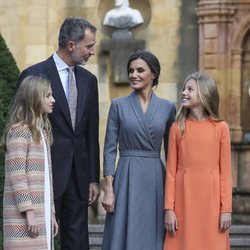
x=8, y=76
x=57, y=242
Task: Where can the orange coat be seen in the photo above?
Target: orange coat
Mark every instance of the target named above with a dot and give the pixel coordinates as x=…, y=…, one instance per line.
x=199, y=184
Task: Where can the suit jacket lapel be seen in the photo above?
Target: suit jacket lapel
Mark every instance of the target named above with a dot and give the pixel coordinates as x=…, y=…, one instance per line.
x=81, y=94
x=57, y=88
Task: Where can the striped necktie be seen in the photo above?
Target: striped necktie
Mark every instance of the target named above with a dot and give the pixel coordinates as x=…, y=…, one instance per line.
x=72, y=98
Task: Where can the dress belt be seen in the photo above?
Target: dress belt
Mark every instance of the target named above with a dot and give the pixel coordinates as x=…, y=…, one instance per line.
x=140, y=153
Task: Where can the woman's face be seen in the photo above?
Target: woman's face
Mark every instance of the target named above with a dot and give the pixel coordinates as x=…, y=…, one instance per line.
x=190, y=96
x=140, y=75
x=48, y=102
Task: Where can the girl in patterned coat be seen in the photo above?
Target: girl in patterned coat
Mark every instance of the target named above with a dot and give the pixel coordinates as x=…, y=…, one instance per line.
x=28, y=207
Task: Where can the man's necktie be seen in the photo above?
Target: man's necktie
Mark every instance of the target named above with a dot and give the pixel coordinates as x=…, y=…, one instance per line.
x=72, y=98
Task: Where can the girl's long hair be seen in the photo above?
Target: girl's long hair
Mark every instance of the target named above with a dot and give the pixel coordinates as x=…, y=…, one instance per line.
x=209, y=97
x=27, y=108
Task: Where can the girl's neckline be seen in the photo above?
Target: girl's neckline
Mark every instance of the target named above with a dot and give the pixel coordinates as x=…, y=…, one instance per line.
x=203, y=120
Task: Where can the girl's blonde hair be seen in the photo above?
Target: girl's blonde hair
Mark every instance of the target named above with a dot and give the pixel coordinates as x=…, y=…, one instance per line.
x=27, y=107
x=209, y=97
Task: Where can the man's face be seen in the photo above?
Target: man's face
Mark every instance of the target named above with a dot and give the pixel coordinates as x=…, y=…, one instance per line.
x=84, y=49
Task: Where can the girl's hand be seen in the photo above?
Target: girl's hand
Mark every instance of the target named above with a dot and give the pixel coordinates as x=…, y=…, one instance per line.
x=54, y=225
x=33, y=226
x=108, y=201
x=170, y=222
x=225, y=221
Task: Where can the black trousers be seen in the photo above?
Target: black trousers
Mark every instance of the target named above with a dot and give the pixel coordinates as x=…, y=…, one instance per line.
x=72, y=214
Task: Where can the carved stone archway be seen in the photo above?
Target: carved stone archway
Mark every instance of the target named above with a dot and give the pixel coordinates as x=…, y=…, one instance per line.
x=245, y=80
x=224, y=30
x=238, y=55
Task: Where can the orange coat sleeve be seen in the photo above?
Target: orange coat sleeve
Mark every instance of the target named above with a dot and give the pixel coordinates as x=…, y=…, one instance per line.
x=171, y=168
x=225, y=170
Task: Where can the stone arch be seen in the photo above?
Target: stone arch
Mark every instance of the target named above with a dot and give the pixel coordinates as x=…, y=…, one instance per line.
x=239, y=33
x=242, y=28
x=245, y=78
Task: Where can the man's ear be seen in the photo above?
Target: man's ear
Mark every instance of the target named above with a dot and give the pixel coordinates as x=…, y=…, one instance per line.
x=70, y=46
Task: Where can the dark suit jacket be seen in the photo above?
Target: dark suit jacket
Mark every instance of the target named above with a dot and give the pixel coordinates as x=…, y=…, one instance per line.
x=79, y=147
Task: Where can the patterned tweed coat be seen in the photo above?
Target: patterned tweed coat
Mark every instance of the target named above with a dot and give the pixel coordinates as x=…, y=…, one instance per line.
x=24, y=190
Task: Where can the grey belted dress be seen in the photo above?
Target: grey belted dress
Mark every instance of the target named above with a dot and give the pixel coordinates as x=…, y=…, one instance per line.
x=138, y=220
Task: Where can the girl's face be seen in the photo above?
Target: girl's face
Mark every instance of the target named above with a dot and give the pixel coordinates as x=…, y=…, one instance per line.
x=190, y=97
x=48, y=102
x=140, y=75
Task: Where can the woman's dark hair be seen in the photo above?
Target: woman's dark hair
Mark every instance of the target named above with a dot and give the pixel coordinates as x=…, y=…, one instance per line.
x=151, y=60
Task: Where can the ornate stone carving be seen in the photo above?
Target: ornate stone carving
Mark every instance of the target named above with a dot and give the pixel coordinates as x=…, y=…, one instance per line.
x=122, y=16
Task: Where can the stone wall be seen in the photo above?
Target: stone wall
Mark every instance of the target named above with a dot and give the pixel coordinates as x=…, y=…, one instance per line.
x=170, y=30
x=224, y=35
x=30, y=29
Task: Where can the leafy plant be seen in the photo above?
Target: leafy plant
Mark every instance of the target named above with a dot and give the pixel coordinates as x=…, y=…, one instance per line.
x=8, y=76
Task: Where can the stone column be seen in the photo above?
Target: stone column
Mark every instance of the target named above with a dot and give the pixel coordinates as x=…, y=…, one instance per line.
x=222, y=28
x=119, y=48
x=215, y=23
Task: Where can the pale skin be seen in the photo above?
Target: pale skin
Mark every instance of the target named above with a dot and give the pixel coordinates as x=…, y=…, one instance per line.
x=78, y=53
x=108, y=201
x=34, y=227
x=171, y=222
x=94, y=193
x=48, y=102
x=141, y=79
x=191, y=100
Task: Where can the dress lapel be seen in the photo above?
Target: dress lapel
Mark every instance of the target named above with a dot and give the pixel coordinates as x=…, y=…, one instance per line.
x=151, y=111
x=136, y=106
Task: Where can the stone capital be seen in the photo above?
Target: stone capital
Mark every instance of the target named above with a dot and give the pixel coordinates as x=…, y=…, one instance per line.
x=214, y=11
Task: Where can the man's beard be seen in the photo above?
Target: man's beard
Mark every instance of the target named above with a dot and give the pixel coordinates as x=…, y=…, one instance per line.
x=78, y=59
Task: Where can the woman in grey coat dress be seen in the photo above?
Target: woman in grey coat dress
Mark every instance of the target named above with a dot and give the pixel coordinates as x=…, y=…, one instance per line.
x=134, y=190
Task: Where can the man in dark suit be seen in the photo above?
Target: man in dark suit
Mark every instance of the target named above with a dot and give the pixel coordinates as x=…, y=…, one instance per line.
x=75, y=150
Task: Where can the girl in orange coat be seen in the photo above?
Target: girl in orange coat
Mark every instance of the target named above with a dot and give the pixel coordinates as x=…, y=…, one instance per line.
x=198, y=191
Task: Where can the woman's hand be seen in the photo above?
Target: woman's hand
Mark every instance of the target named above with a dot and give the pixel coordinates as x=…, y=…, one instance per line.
x=33, y=226
x=170, y=222
x=54, y=225
x=225, y=221
x=108, y=201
